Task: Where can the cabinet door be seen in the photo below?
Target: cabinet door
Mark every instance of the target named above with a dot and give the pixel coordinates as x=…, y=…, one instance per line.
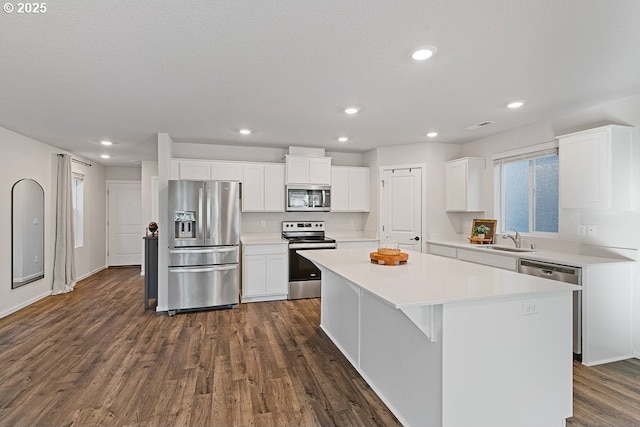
x=319, y=170
x=253, y=194
x=359, y=189
x=254, y=279
x=456, y=186
x=188, y=169
x=273, y=191
x=585, y=171
x=297, y=170
x=226, y=171
x=277, y=268
x=339, y=188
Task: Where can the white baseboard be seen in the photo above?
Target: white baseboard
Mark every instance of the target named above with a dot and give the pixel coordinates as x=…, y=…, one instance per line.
x=24, y=304
x=91, y=273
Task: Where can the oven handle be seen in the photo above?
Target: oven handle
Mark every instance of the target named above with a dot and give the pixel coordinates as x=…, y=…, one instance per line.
x=203, y=269
x=312, y=245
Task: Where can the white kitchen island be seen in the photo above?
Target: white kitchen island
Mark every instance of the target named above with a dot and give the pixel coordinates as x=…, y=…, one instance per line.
x=449, y=343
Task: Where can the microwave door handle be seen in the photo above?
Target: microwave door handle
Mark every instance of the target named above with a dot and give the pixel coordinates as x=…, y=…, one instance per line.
x=324, y=194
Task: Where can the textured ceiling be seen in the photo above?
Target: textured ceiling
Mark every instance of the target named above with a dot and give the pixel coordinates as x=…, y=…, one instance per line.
x=200, y=70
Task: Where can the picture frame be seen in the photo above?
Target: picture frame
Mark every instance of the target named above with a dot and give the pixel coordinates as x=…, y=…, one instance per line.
x=490, y=236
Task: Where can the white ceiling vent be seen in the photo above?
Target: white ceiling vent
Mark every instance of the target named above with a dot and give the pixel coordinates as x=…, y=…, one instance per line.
x=480, y=125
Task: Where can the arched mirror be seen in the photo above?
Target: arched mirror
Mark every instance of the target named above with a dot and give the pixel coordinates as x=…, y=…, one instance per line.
x=27, y=232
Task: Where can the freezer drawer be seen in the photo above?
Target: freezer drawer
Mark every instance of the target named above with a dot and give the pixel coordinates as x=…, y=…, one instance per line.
x=203, y=256
x=203, y=286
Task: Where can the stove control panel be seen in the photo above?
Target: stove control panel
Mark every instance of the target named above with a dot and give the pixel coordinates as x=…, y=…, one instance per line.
x=303, y=226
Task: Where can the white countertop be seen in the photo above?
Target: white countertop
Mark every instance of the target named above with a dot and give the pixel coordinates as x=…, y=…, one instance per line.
x=567, y=258
x=430, y=279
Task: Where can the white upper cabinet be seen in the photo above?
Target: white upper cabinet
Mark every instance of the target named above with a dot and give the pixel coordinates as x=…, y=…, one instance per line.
x=596, y=168
x=350, y=189
x=308, y=170
x=263, y=187
x=198, y=170
x=464, y=184
x=226, y=171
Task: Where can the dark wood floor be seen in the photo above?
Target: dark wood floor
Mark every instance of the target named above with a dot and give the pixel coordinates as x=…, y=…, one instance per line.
x=95, y=357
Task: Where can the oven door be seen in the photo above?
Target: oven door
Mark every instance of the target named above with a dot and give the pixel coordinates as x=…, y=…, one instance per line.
x=304, y=276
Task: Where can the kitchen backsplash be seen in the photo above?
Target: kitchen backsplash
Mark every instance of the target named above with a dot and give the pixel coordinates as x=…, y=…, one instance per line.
x=271, y=222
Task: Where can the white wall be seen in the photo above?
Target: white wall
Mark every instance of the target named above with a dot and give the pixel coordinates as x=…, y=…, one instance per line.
x=434, y=155
x=616, y=230
x=24, y=157
x=91, y=257
x=185, y=150
x=124, y=173
x=165, y=154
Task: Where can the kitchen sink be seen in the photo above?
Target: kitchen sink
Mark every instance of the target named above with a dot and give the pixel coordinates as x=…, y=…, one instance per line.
x=507, y=248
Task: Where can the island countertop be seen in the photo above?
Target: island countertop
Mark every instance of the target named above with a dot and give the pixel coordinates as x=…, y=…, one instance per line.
x=428, y=279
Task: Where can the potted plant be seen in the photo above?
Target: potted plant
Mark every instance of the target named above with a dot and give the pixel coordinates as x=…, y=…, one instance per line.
x=481, y=231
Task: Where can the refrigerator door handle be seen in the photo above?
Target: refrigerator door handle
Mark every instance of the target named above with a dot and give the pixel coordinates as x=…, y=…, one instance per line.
x=200, y=206
x=203, y=269
x=207, y=237
x=204, y=250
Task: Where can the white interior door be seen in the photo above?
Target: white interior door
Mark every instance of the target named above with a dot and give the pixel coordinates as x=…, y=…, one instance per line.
x=401, y=207
x=124, y=223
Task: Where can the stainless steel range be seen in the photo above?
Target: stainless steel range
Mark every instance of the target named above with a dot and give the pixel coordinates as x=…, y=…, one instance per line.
x=304, y=276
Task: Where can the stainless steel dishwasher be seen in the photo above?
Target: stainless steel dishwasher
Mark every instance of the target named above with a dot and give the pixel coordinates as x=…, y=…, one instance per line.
x=562, y=273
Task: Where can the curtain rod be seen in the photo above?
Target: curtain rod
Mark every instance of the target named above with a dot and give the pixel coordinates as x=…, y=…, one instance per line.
x=78, y=161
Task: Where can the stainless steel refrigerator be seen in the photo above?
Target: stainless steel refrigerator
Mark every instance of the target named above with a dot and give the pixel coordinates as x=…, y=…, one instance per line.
x=204, y=217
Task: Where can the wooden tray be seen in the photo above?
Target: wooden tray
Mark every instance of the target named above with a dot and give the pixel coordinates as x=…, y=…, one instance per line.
x=475, y=240
x=377, y=258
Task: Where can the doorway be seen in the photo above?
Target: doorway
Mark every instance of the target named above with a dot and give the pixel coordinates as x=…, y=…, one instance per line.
x=124, y=227
x=401, y=206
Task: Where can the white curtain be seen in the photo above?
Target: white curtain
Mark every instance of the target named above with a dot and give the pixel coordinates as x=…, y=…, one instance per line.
x=64, y=270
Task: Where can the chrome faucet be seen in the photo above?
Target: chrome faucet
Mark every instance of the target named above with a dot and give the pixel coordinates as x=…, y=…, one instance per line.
x=516, y=238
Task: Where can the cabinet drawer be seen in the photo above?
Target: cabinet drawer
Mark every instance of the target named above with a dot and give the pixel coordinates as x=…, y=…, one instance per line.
x=493, y=260
x=265, y=249
x=447, y=251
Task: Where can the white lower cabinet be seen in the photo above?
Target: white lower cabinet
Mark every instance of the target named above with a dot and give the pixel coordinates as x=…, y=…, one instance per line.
x=265, y=272
x=441, y=250
x=494, y=260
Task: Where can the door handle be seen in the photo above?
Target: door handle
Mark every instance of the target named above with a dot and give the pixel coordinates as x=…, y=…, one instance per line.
x=415, y=238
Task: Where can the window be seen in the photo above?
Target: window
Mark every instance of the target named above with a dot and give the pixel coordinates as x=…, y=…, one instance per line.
x=77, y=190
x=528, y=193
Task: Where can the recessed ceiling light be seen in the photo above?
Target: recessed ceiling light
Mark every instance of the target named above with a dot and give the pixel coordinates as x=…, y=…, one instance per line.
x=245, y=131
x=432, y=134
x=343, y=139
x=105, y=142
x=105, y=156
x=515, y=104
x=424, y=52
x=351, y=110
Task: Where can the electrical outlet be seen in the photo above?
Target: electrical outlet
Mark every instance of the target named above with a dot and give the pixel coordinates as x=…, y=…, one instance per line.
x=582, y=230
x=37, y=259
x=591, y=230
x=263, y=223
x=529, y=308
x=351, y=222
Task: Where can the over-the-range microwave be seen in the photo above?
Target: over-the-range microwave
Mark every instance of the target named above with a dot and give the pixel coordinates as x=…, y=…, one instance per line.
x=308, y=198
